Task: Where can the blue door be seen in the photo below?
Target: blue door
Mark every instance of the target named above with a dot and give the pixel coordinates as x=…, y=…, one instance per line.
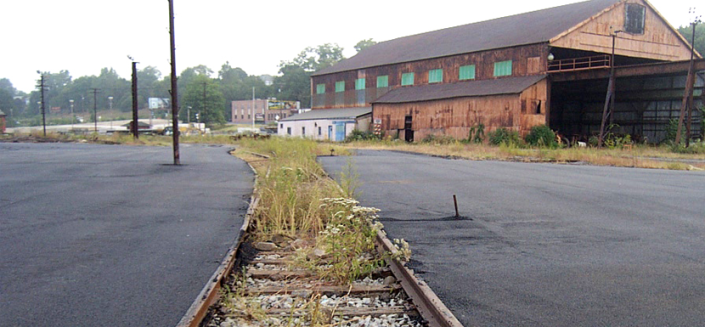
x=339, y=132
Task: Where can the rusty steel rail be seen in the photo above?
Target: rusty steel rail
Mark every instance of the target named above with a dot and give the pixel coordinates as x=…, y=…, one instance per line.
x=210, y=293
x=426, y=301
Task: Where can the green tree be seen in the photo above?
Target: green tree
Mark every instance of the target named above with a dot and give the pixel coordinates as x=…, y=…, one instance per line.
x=295, y=80
x=313, y=59
x=210, y=107
x=112, y=85
x=188, y=76
x=364, y=44
x=6, y=85
x=294, y=84
x=230, y=75
x=687, y=32
x=6, y=102
x=149, y=86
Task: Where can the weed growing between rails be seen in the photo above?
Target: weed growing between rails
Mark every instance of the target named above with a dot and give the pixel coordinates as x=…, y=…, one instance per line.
x=298, y=200
x=291, y=189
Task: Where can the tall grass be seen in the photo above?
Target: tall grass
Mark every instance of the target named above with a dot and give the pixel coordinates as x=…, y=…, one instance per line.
x=291, y=191
x=641, y=156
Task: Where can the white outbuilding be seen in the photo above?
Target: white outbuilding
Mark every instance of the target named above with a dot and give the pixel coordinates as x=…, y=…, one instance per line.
x=326, y=124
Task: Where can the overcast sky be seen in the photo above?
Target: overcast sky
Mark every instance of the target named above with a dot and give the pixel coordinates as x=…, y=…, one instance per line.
x=83, y=36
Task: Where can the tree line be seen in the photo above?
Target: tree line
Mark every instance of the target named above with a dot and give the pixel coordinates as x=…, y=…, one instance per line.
x=228, y=84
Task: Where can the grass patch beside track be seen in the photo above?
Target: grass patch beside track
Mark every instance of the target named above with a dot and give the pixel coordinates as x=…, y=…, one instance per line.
x=638, y=156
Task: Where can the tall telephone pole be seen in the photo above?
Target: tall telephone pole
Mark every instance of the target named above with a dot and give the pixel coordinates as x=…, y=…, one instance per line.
x=174, y=88
x=204, y=97
x=687, y=103
x=135, y=125
x=95, y=107
x=41, y=88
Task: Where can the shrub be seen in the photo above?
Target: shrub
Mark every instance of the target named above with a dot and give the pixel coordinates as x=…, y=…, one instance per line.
x=504, y=136
x=357, y=135
x=542, y=136
x=477, y=133
x=438, y=139
x=672, y=130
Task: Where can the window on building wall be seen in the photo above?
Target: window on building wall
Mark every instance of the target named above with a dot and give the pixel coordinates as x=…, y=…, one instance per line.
x=466, y=72
x=249, y=116
x=320, y=88
x=383, y=81
x=407, y=79
x=360, y=84
x=303, y=130
x=340, y=86
x=435, y=76
x=503, y=68
x=319, y=130
x=634, y=20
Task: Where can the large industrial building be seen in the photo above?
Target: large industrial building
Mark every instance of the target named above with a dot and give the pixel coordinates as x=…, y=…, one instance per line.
x=544, y=67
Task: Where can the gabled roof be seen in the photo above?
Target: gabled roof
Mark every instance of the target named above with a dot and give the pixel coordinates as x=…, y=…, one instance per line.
x=337, y=113
x=2, y=113
x=522, y=29
x=508, y=85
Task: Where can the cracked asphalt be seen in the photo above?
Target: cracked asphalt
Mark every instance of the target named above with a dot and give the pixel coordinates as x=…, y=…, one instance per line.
x=545, y=244
x=106, y=235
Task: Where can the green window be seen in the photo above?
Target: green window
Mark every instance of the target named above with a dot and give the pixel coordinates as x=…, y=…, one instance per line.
x=503, y=68
x=467, y=72
x=407, y=79
x=320, y=88
x=340, y=86
x=383, y=81
x=360, y=84
x=435, y=76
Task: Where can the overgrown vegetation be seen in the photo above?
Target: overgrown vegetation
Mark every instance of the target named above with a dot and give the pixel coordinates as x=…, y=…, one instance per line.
x=541, y=136
x=504, y=136
x=477, y=134
x=357, y=135
x=298, y=200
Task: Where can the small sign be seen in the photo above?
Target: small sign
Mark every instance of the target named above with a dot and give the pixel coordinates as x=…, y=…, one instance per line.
x=55, y=109
x=378, y=121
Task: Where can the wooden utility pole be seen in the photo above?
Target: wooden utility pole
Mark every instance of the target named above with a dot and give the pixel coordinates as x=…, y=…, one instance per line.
x=95, y=107
x=174, y=87
x=609, y=98
x=135, y=125
x=688, y=94
x=44, y=119
x=204, y=97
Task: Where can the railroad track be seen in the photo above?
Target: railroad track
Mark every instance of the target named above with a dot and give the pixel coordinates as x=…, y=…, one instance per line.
x=257, y=284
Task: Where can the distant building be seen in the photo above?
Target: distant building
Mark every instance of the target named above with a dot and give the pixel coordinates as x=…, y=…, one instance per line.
x=332, y=125
x=265, y=111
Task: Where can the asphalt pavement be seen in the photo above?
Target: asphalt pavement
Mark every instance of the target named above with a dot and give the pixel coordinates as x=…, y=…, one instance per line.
x=545, y=244
x=106, y=235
